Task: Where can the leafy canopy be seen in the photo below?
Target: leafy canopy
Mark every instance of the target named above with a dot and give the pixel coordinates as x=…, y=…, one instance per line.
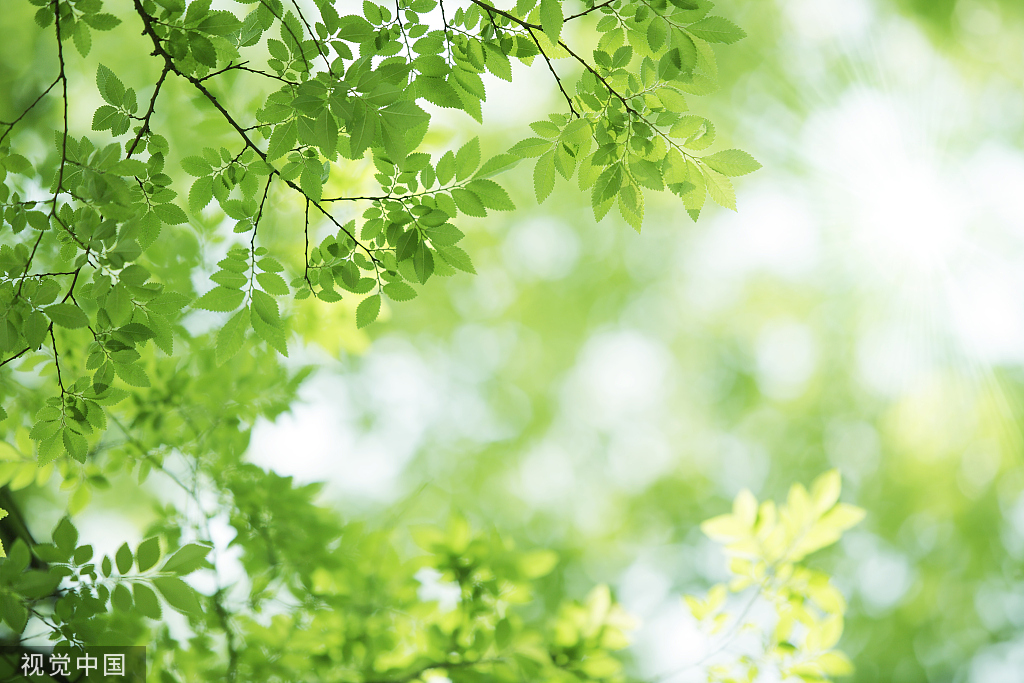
x=80, y=266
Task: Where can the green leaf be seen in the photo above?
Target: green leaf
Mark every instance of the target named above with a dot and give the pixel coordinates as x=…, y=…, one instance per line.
x=657, y=30
x=537, y=563
x=75, y=444
x=446, y=168
x=696, y=132
x=147, y=554
x=444, y=234
x=551, y=19
x=325, y=134
x=310, y=179
x=196, y=166
x=272, y=283
x=843, y=517
x=220, y=299
x=439, y=91
x=362, y=128
x=503, y=634
x=497, y=164
x=397, y=120
x=187, y=559
x=172, y=214
x=110, y=86
x=631, y=205
x=66, y=315
x=468, y=202
x=65, y=535
x=399, y=291
x=720, y=189
x=13, y=612
x=101, y=21
x=82, y=37
x=123, y=559
x=456, y=257
x=146, y=601
x=282, y=139
x=693, y=199
x=544, y=176
x=368, y=310
x=673, y=100
x=491, y=194
x=608, y=184
x=16, y=163
x=35, y=329
x=121, y=598
x=201, y=193
x=168, y=303
x=105, y=117
x=467, y=159
x=265, y=308
x=731, y=162
x=272, y=333
x=130, y=167
x=178, y=594
x=202, y=49
x=716, y=30
x=220, y=23
x=423, y=263
x=231, y=336
x=269, y=265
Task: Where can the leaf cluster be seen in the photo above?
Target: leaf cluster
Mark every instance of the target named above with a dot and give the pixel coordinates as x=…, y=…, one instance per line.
x=766, y=545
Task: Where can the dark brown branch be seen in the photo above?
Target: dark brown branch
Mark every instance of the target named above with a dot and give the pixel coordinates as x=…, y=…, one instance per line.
x=69, y=272
x=558, y=80
x=56, y=361
x=401, y=27
x=64, y=85
x=305, y=261
x=447, y=40
x=242, y=67
x=62, y=77
x=356, y=199
x=588, y=11
x=149, y=113
x=255, y=229
x=312, y=35
x=15, y=357
x=298, y=41
x=507, y=15
x=10, y=125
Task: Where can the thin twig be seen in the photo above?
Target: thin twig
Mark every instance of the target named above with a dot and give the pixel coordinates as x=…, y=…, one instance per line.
x=558, y=80
x=56, y=361
x=10, y=125
x=312, y=35
x=588, y=11
x=149, y=113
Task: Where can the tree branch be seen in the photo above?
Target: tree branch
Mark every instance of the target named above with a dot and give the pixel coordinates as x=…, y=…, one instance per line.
x=10, y=125
x=588, y=11
x=149, y=113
